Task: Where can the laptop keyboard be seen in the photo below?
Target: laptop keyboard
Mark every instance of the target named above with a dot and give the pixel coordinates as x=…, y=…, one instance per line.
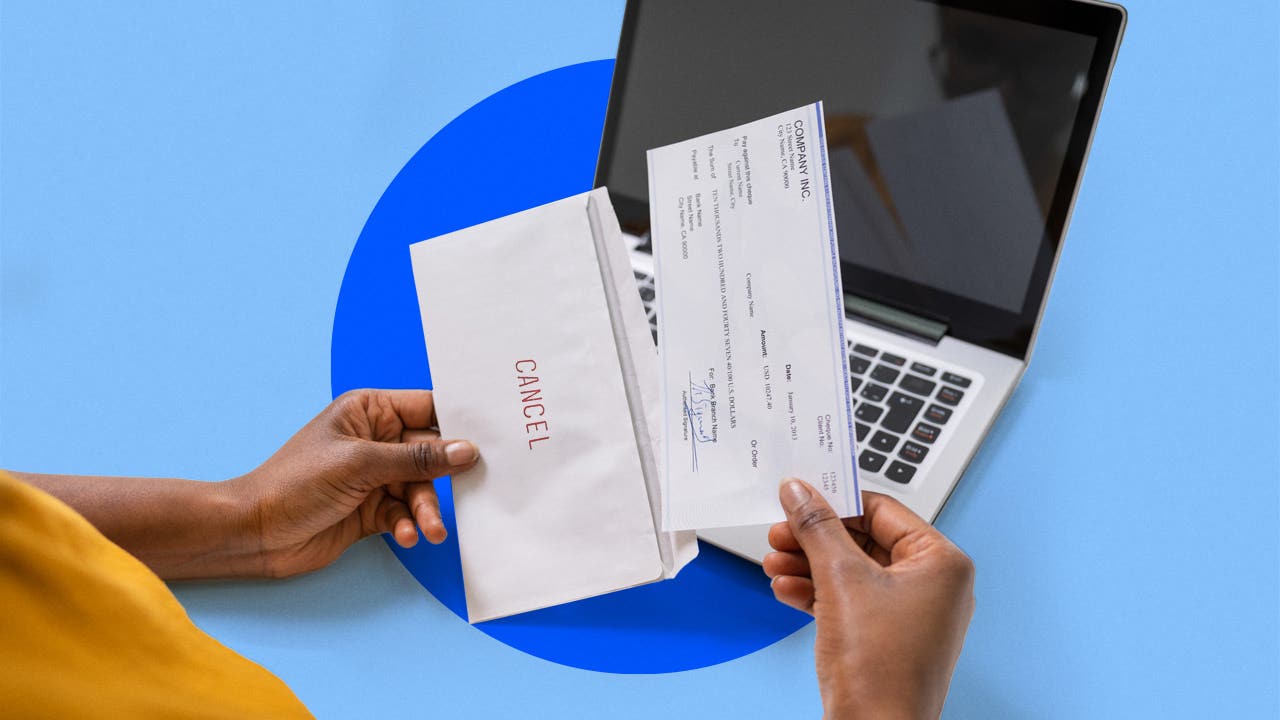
x=645, y=282
x=904, y=407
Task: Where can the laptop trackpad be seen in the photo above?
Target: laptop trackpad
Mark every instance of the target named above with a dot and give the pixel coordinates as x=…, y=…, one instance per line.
x=750, y=542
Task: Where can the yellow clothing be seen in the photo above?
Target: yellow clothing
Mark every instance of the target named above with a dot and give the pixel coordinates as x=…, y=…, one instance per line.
x=87, y=631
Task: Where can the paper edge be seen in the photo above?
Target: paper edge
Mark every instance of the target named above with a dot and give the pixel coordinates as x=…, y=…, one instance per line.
x=675, y=549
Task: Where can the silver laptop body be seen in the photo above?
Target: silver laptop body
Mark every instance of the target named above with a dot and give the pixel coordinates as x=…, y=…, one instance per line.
x=958, y=134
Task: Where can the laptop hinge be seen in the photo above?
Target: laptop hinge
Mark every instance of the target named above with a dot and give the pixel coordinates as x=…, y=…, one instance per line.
x=930, y=331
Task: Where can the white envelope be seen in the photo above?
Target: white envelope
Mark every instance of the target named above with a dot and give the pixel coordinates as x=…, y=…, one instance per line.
x=541, y=355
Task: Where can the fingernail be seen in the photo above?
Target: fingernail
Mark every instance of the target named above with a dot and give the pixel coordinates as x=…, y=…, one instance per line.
x=794, y=494
x=459, y=452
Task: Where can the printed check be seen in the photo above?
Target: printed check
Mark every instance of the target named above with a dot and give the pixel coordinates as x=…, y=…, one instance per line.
x=755, y=381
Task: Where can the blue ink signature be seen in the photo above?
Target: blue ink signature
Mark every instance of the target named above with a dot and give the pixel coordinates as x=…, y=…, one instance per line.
x=698, y=405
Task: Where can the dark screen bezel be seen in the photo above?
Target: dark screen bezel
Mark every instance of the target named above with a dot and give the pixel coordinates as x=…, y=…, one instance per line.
x=985, y=325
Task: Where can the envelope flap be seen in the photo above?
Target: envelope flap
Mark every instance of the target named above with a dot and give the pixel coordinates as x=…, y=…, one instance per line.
x=639, y=359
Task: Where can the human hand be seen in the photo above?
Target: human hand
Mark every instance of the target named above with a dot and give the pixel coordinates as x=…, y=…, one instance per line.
x=892, y=598
x=364, y=465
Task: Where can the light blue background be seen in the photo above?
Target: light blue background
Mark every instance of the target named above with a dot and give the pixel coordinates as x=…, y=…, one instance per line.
x=181, y=185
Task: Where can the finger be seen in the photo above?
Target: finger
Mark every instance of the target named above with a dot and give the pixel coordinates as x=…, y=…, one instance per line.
x=405, y=532
x=782, y=539
x=425, y=506
x=419, y=435
x=870, y=547
x=416, y=408
x=392, y=516
x=821, y=535
x=786, y=563
x=401, y=490
x=794, y=591
x=390, y=462
x=890, y=524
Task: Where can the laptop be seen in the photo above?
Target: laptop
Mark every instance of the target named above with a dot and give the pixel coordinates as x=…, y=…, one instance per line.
x=957, y=135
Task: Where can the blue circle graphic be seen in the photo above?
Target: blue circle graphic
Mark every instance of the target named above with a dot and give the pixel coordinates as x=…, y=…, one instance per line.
x=527, y=145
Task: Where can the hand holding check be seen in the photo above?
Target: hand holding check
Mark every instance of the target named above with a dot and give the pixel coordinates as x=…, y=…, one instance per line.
x=891, y=595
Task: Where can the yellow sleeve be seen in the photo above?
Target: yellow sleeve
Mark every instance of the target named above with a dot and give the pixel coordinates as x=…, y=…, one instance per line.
x=86, y=630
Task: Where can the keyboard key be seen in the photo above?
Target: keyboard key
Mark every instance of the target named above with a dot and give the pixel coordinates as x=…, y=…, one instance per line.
x=868, y=413
x=957, y=380
x=913, y=452
x=883, y=441
x=918, y=385
x=865, y=350
x=902, y=411
x=893, y=359
x=858, y=365
x=874, y=393
x=640, y=276
x=923, y=369
x=885, y=374
x=949, y=395
x=937, y=414
x=646, y=293
x=854, y=382
x=900, y=472
x=925, y=432
x=861, y=430
x=871, y=461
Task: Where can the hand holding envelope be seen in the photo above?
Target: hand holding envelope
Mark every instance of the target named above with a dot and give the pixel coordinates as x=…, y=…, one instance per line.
x=541, y=354
x=597, y=463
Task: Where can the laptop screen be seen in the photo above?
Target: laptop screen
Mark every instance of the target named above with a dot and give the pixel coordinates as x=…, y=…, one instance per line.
x=956, y=133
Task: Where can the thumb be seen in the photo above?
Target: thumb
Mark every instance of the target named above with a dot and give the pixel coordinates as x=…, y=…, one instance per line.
x=408, y=462
x=821, y=535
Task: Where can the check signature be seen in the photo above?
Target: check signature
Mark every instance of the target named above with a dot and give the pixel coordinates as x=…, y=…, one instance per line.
x=697, y=408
